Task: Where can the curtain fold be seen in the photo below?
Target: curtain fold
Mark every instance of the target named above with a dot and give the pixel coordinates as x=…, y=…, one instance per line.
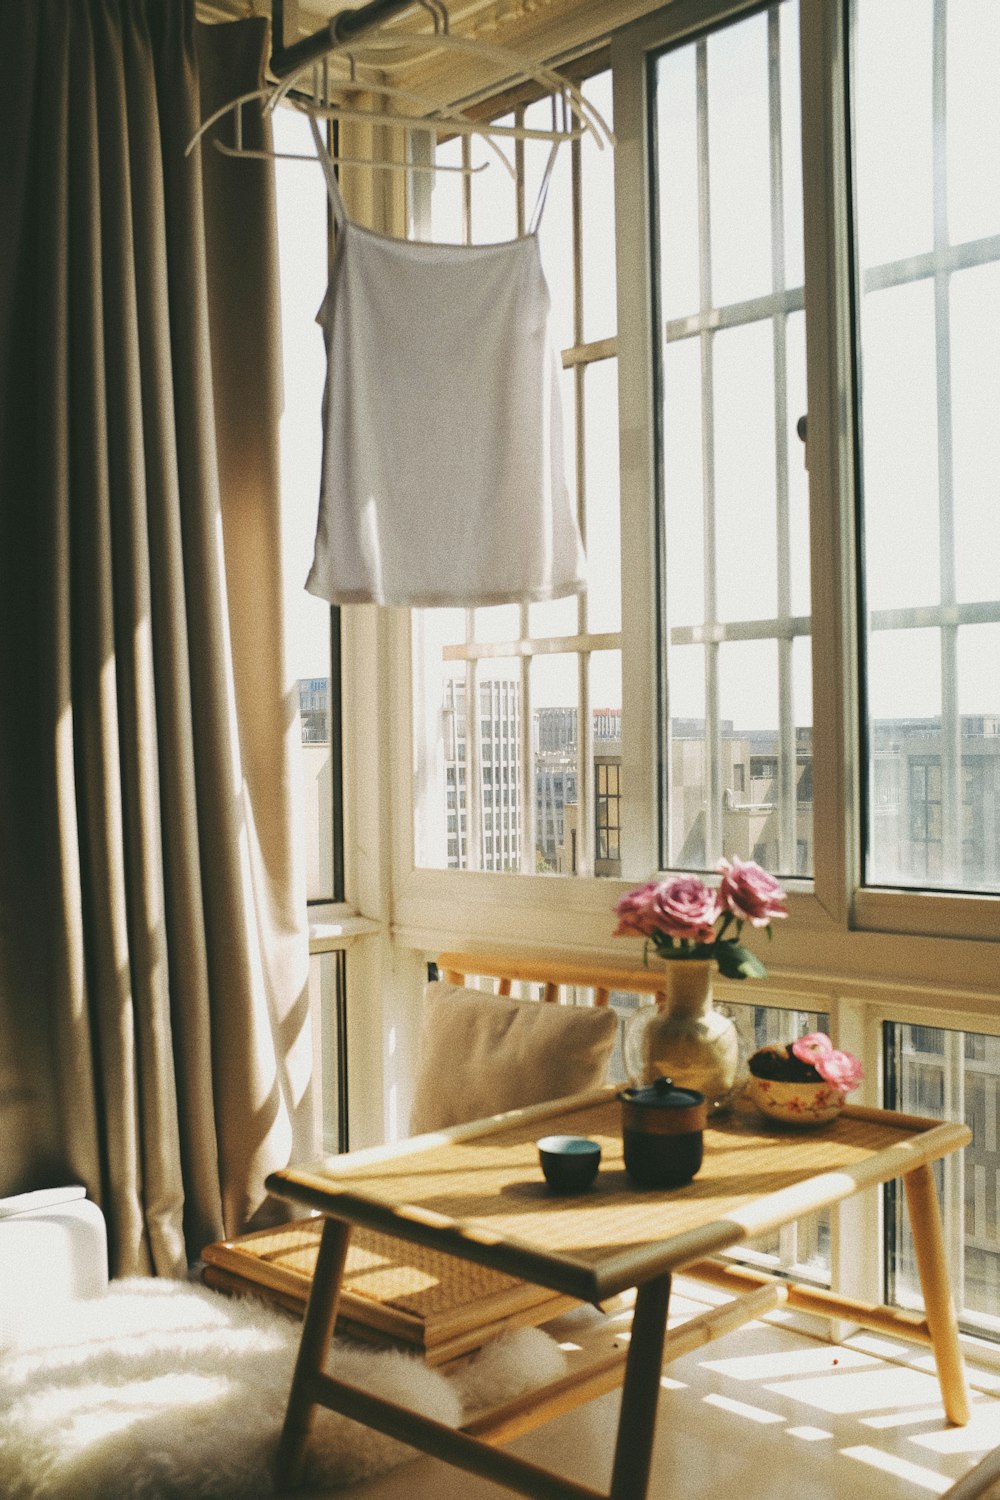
x=153, y=956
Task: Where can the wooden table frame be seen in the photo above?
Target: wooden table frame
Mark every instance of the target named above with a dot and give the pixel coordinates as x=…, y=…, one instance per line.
x=338, y=1190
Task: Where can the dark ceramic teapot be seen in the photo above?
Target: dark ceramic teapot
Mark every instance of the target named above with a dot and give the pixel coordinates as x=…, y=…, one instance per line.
x=662, y=1132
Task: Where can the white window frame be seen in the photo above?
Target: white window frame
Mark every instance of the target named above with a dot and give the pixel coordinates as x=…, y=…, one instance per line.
x=834, y=920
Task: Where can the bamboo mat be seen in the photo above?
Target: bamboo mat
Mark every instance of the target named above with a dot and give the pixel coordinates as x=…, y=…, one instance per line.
x=413, y=1295
x=493, y=1181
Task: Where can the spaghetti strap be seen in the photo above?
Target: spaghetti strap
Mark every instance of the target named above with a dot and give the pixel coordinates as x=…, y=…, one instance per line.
x=339, y=211
x=543, y=191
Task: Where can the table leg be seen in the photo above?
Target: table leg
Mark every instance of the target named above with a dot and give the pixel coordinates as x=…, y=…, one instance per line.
x=641, y=1392
x=317, y=1330
x=932, y=1265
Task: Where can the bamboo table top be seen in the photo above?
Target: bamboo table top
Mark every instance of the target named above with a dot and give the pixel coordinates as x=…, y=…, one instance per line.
x=477, y=1191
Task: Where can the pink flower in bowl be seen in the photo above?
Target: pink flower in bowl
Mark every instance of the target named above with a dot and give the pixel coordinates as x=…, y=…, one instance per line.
x=840, y=1070
x=813, y=1045
x=805, y=1082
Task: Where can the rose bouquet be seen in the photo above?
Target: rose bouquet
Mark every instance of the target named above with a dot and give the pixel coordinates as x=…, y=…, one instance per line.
x=811, y=1059
x=684, y=918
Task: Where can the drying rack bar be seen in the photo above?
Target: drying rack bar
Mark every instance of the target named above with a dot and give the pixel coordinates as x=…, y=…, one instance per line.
x=341, y=28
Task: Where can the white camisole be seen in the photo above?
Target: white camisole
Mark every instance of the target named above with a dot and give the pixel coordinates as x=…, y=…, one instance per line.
x=443, y=466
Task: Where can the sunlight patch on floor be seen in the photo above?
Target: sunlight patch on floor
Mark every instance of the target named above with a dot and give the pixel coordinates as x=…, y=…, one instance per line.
x=891, y=1463
x=783, y=1362
x=854, y=1392
x=742, y=1409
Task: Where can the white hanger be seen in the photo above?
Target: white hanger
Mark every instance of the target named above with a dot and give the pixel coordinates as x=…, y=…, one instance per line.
x=579, y=117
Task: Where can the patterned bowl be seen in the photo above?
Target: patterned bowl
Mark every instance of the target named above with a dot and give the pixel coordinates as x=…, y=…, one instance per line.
x=796, y=1103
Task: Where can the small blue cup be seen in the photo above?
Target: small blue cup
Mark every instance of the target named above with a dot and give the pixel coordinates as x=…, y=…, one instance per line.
x=569, y=1162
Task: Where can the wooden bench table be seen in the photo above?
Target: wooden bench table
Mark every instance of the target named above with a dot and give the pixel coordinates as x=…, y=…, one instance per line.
x=476, y=1192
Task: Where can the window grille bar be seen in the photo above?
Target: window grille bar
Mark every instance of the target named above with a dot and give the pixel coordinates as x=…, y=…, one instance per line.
x=589, y=354
x=467, y=189
x=945, y=258
x=584, y=717
x=735, y=314
x=786, y=859
x=473, y=772
x=953, y=1195
x=549, y=645
x=713, y=730
x=787, y=629
x=526, y=788
x=951, y=776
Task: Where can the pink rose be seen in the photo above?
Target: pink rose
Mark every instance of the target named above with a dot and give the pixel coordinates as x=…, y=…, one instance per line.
x=840, y=1069
x=634, y=912
x=750, y=893
x=811, y=1047
x=685, y=908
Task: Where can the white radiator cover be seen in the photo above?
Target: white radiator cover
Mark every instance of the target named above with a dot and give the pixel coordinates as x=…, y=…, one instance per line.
x=53, y=1248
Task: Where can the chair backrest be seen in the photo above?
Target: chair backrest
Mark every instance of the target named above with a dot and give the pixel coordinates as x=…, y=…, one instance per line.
x=482, y=1053
x=551, y=973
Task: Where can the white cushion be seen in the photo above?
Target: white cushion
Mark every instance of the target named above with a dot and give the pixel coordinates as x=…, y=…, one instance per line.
x=481, y=1054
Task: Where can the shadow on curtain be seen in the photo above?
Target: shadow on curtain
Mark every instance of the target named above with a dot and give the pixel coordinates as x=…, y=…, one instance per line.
x=154, y=1038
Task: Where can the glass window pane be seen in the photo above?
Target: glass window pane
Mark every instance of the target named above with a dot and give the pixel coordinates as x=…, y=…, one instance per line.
x=493, y=190
x=929, y=383
x=447, y=216
x=975, y=383
x=739, y=148
x=600, y=310
x=606, y=697
x=951, y=1075
x=900, y=447
x=677, y=183
x=791, y=144
x=734, y=487
x=892, y=89
x=683, y=481
x=800, y=600
x=688, y=764
x=603, y=496
x=499, y=768
x=497, y=622
x=748, y=707
x=302, y=258
x=745, y=481
x=555, y=696
x=972, y=47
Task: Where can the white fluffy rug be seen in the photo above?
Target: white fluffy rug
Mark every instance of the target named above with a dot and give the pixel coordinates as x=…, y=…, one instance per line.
x=163, y=1390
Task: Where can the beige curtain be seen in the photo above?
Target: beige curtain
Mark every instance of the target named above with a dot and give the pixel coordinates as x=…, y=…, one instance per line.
x=154, y=1040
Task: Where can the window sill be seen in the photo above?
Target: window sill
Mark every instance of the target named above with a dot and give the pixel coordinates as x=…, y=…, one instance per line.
x=332, y=928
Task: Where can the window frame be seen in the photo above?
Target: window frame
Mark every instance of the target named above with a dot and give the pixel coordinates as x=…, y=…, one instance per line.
x=837, y=927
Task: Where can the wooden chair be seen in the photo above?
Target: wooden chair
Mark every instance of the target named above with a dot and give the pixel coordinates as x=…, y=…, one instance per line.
x=401, y=1293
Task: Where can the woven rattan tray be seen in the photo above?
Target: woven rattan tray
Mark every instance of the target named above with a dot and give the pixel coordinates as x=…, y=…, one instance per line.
x=407, y=1294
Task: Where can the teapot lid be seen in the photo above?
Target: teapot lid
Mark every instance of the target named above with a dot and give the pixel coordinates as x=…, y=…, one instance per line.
x=662, y=1095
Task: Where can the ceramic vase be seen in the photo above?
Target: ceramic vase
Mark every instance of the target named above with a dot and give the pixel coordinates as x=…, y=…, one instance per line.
x=683, y=1037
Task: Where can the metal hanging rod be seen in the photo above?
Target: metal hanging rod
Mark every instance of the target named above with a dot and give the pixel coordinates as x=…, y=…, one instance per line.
x=341, y=28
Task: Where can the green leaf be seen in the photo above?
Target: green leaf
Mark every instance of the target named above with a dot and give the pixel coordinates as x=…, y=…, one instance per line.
x=736, y=962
